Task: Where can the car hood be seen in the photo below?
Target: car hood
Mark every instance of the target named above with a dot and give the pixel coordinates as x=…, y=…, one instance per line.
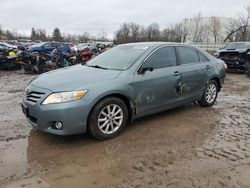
x=74, y=77
x=233, y=50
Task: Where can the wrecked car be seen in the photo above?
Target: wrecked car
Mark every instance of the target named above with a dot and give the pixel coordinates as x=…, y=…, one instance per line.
x=8, y=59
x=237, y=56
x=124, y=83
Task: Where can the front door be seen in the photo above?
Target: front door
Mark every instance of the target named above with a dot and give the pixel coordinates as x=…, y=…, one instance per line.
x=156, y=89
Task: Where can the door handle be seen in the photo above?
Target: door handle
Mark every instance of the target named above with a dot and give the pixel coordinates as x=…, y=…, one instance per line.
x=208, y=67
x=177, y=73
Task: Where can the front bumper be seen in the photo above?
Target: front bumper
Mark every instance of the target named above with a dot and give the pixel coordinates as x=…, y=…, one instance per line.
x=73, y=115
x=235, y=65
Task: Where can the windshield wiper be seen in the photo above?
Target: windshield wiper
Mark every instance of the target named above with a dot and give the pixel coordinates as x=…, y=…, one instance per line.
x=97, y=66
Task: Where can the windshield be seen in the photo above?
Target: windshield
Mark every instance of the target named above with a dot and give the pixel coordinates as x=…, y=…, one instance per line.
x=38, y=44
x=119, y=58
x=81, y=46
x=237, y=46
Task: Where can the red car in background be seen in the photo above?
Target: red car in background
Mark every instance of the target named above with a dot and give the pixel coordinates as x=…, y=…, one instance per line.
x=86, y=51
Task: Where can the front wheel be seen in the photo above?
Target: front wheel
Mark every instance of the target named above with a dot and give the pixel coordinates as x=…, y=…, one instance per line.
x=108, y=118
x=210, y=94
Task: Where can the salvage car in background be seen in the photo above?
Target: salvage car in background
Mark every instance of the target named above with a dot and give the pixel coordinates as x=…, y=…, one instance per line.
x=25, y=43
x=124, y=83
x=86, y=51
x=8, y=58
x=8, y=46
x=48, y=47
x=237, y=56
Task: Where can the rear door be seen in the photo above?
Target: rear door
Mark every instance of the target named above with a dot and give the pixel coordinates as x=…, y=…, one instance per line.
x=156, y=90
x=193, y=73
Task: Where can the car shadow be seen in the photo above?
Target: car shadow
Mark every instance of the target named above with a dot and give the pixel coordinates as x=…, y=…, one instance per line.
x=86, y=139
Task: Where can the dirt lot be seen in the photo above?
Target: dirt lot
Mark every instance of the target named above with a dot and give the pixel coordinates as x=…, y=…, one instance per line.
x=186, y=147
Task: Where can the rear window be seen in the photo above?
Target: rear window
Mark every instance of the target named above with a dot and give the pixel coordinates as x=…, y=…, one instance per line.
x=188, y=55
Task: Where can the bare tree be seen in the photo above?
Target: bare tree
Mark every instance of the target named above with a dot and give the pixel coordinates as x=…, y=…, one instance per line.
x=184, y=30
x=102, y=36
x=239, y=25
x=153, y=32
x=85, y=37
x=135, y=31
x=196, y=27
x=215, y=27
x=180, y=31
x=130, y=32
x=122, y=35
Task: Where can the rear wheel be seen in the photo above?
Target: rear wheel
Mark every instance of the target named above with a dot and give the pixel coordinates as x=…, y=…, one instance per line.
x=108, y=118
x=72, y=61
x=210, y=94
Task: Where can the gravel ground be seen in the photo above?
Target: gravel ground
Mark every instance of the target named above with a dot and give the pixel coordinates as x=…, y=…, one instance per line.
x=188, y=146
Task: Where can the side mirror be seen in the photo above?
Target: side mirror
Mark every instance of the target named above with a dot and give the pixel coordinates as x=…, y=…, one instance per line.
x=142, y=70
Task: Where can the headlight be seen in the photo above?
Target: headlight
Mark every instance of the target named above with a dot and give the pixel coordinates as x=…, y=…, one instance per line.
x=64, y=97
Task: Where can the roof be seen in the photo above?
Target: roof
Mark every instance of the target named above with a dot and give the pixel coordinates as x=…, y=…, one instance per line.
x=151, y=43
x=156, y=44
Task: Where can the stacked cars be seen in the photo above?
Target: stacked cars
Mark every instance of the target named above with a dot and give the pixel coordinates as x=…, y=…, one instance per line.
x=36, y=58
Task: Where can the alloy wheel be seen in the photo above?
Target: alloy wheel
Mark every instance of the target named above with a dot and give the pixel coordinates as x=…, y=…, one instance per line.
x=110, y=119
x=211, y=93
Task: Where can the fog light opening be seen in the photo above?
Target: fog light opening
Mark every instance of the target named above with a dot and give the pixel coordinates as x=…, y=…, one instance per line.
x=58, y=125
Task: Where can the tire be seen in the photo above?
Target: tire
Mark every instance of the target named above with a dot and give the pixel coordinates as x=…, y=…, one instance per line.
x=72, y=61
x=101, y=124
x=210, y=94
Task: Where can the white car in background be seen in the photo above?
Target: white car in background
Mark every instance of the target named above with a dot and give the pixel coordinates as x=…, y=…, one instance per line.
x=8, y=46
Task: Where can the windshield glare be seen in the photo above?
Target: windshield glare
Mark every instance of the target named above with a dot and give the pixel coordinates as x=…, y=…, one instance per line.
x=119, y=58
x=237, y=46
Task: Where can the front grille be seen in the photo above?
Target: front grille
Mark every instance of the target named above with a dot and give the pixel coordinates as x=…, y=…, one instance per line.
x=34, y=96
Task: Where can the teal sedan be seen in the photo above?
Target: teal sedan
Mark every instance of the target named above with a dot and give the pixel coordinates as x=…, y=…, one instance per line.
x=126, y=82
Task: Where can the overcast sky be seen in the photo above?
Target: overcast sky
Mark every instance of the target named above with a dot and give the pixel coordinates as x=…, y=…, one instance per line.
x=77, y=16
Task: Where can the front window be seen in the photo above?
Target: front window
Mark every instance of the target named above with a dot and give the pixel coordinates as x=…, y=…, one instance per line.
x=161, y=58
x=119, y=58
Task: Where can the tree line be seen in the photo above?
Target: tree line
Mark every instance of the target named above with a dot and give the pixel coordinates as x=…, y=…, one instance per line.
x=195, y=29
x=57, y=35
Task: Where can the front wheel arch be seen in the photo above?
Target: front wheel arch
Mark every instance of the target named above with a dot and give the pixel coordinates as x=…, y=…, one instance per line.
x=94, y=128
x=125, y=99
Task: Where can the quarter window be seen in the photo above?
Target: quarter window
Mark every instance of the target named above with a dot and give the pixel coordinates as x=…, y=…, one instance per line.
x=163, y=57
x=188, y=55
